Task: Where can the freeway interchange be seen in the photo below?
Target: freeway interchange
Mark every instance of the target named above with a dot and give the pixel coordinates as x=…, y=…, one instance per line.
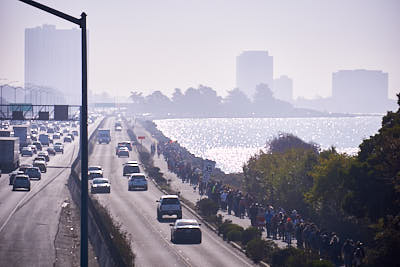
x=29, y=220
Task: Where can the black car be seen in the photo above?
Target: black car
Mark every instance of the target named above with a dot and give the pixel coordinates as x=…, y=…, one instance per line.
x=51, y=151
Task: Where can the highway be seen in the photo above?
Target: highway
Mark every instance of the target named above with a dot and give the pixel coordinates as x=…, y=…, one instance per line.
x=29, y=220
x=136, y=212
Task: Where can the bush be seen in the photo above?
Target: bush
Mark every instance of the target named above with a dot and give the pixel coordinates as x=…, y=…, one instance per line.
x=207, y=207
x=221, y=227
x=250, y=234
x=234, y=235
x=258, y=249
x=231, y=227
x=293, y=257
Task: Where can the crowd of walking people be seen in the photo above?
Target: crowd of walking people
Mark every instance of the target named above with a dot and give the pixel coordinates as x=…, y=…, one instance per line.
x=279, y=224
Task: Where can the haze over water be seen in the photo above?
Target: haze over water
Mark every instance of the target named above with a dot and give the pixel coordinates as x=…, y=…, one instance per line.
x=231, y=141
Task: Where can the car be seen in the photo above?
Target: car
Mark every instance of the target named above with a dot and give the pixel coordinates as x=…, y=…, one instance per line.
x=65, y=130
x=33, y=172
x=45, y=155
x=42, y=128
x=12, y=176
x=118, y=129
x=95, y=168
x=38, y=158
x=23, y=167
x=34, y=148
x=185, y=230
x=51, y=151
x=129, y=169
x=95, y=174
x=27, y=151
x=75, y=132
x=127, y=144
x=34, y=137
x=137, y=181
x=123, y=152
x=71, y=136
x=21, y=181
x=58, y=147
x=56, y=136
x=38, y=145
x=100, y=185
x=41, y=165
x=67, y=139
x=169, y=205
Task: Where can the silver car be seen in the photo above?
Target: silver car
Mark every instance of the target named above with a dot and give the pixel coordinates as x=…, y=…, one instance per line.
x=137, y=181
x=185, y=230
x=100, y=185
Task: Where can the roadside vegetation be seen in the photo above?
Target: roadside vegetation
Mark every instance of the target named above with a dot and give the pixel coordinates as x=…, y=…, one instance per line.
x=355, y=196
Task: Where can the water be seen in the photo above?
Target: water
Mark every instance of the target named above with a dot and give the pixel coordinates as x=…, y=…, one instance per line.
x=231, y=141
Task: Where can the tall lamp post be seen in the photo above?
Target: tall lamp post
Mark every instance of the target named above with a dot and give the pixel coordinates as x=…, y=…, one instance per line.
x=84, y=127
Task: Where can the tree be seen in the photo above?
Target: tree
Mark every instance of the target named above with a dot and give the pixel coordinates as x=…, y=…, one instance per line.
x=237, y=104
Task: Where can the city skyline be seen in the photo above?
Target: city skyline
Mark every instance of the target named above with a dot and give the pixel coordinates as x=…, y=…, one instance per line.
x=184, y=44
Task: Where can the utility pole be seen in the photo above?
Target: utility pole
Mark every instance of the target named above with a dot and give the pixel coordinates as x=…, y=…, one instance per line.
x=84, y=127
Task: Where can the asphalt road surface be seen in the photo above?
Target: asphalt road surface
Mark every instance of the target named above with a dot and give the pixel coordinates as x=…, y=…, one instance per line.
x=136, y=212
x=29, y=220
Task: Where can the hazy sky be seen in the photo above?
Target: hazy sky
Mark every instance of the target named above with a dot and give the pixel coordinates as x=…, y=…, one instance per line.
x=166, y=44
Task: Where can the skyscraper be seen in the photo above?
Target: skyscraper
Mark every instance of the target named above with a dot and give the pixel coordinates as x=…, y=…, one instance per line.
x=253, y=68
x=360, y=90
x=53, y=60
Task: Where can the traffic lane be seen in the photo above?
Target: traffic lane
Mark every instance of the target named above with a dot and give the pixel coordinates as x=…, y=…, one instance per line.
x=28, y=235
x=9, y=199
x=213, y=251
x=27, y=239
x=149, y=246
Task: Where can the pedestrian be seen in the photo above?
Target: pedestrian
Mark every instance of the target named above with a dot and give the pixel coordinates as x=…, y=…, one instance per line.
x=347, y=252
x=359, y=254
x=289, y=228
x=253, y=213
x=269, y=213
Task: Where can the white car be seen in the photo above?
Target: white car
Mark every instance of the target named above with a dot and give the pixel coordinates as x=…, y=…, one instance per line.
x=185, y=230
x=137, y=181
x=95, y=168
x=100, y=185
x=123, y=152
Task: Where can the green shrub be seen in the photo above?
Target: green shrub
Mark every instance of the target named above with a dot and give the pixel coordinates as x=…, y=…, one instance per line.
x=231, y=227
x=293, y=257
x=259, y=249
x=207, y=207
x=222, y=226
x=250, y=234
x=234, y=235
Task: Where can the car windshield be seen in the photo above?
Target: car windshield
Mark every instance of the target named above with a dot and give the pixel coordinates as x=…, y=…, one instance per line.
x=170, y=201
x=131, y=169
x=100, y=181
x=20, y=178
x=193, y=223
x=94, y=168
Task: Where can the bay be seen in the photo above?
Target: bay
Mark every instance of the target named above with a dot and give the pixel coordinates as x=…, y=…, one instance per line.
x=232, y=141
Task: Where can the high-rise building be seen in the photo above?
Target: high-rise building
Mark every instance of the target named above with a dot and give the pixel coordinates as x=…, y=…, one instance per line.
x=253, y=68
x=360, y=90
x=283, y=88
x=53, y=61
